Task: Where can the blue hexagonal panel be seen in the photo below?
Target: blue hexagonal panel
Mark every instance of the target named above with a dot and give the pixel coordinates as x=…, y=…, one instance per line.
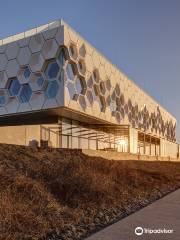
x=52, y=70
x=14, y=87
x=70, y=71
x=37, y=82
x=52, y=89
x=27, y=72
x=25, y=93
x=71, y=90
x=40, y=81
x=3, y=97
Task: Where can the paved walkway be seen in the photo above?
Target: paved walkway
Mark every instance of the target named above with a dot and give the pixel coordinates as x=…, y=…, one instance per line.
x=164, y=213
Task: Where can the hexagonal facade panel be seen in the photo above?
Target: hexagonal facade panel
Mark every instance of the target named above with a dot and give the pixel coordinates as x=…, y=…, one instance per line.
x=36, y=62
x=102, y=88
x=82, y=102
x=49, y=49
x=3, y=79
x=82, y=50
x=3, y=61
x=36, y=43
x=24, y=42
x=52, y=89
x=89, y=97
x=81, y=66
x=70, y=71
x=61, y=57
x=53, y=66
x=37, y=100
x=96, y=76
x=102, y=103
x=14, y=87
x=12, y=50
x=73, y=53
x=80, y=85
x=24, y=74
x=25, y=93
x=12, y=68
x=3, y=48
x=60, y=36
x=51, y=33
x=71, y=90
x=52, y=70
x=12, y=105
x=37, y=82
x=24, y=56
x=3, y=97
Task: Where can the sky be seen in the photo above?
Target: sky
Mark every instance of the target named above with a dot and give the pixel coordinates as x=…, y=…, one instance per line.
x=141, y=37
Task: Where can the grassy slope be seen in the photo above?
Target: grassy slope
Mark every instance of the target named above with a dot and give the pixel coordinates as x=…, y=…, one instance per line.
x=70, y=194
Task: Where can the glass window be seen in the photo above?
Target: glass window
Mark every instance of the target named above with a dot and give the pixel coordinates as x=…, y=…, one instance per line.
x=61, y=58
x=79, y=86
x=102, y=88
x=61, y=76
x=14, y=87
x=89, y=96
x=25, y=93
x=27, y=72
x=71, y=48
x=96, y=75
x=40, y=81
x=70, y=71
x=2, y=100
x=108, y=84
x=2, y=97
x=71, y=89
x=82, y=102
x=52, y=69
x=52, y=89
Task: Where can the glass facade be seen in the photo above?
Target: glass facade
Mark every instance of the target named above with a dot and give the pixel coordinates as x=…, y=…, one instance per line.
x=52, y=70
x=27, y=72
x=40, y=80
x=14, y=87
x=61, y=58
x=70, y=71
x=2, y=97
x=74, y=134
x=52, y=89
x=25, y=93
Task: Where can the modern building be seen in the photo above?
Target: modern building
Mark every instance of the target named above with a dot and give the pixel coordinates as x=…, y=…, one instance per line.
x=56, y=89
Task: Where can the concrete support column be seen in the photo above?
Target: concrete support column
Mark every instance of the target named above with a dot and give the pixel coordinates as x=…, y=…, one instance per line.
x=144, y=144
x=133, y=140
x=129, y=138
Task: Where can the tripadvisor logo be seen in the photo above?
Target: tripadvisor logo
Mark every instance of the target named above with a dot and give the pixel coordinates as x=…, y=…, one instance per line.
x=139, y=231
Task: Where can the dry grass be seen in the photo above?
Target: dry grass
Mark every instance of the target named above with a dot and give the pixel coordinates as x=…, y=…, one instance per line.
x=43, y=191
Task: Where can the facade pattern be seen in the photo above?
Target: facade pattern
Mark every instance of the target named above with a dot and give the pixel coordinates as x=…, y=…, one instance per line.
x=56, y=67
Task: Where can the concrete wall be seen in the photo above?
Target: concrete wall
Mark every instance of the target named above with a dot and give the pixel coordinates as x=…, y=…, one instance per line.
x=20, y=135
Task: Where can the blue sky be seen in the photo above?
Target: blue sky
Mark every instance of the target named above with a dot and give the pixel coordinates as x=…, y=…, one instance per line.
x=141, y=37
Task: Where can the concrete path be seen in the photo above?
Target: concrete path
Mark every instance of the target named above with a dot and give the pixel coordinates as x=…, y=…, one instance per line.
x=162, y=214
